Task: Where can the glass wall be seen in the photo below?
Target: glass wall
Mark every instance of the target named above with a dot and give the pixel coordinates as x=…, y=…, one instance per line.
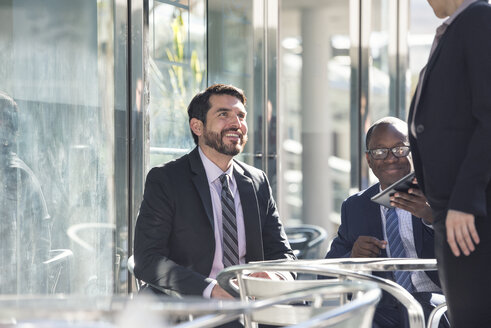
x=177, y=71
x=314, y=88
x=63, y=139
x=88, y=104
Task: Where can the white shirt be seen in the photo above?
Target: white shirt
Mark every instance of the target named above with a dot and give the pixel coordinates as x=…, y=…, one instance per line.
x=420, y=280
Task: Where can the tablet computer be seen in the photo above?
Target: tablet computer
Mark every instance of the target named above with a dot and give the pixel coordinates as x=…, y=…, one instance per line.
x=404, y=184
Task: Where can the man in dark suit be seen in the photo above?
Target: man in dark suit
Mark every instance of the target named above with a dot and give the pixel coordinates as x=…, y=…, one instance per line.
x=365, y=230
x=207, y=210
x=450, y=123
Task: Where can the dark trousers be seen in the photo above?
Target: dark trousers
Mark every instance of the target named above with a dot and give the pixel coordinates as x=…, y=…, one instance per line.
x=466, y=279
x=392, y=314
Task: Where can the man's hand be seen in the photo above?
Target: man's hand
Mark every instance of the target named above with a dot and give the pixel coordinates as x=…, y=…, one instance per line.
x=367, y=246
x=461, y=232
x=220, y=293
x=415, y=202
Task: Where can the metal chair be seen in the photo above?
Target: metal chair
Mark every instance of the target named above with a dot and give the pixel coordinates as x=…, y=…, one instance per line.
x=124, y=311
x=306, y=240
x=236, y=280
x=141, y=284
x=246, y=285
x=436, y=315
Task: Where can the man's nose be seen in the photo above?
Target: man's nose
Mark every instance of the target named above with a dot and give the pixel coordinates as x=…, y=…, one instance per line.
x=391, y=157
x=235, y=121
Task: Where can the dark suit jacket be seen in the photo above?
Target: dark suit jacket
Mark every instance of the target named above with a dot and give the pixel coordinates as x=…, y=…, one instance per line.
x=453, y=118
x=174, y=239
x=361, y=217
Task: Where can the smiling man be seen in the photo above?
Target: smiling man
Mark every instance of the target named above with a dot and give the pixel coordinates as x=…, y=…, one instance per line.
x=371, y=230
x=206, y=210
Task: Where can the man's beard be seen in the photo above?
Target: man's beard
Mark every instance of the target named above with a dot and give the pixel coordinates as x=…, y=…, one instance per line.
x=215, y=141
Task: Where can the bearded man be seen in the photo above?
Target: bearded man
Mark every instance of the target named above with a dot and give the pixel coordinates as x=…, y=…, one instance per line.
x=206, y=210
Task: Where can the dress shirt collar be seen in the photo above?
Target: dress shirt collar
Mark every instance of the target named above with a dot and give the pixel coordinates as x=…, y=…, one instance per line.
x=213, y=172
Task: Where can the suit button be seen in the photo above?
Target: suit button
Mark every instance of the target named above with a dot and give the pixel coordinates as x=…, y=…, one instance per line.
x=420, y=128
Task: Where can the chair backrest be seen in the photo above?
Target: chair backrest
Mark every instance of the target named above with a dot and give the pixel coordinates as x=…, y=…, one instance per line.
x=140, y=285
x=436, y=315
x=246, y=283
x=306, y=240
x=292, y=314
x=59, y=270
x=131, y=269
x=272, y=310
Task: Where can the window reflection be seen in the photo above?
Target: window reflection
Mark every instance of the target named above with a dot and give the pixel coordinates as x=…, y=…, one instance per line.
x=315, y=110
x=58, y=65
x=177, y=72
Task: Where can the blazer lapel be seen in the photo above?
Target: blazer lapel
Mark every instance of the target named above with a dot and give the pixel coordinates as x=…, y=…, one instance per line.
x=250, y=210
x=201, y=183
x=430, y=65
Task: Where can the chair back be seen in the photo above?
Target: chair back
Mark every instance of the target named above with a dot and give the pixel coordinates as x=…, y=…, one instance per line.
x=240, y=273
x=306, y=240
x=305, y=309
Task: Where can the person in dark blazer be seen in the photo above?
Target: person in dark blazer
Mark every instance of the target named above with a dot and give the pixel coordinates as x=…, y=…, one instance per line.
x=181, y=237
x=363, y=232
x=450, y=125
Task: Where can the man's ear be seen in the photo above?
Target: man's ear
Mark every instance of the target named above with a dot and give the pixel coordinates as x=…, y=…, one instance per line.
x=367, y=156
x=196, y=126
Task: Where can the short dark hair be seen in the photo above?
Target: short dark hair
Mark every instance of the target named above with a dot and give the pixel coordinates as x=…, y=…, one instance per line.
x=389, y=120
x=8, y=112
x=200, y=105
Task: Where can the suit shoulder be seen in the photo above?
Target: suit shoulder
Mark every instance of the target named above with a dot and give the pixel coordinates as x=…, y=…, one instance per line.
x=362, y=196
x=477, y=15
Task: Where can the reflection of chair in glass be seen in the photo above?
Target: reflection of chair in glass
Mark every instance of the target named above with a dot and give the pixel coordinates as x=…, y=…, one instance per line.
x=436, y=315
x=94, y=242
x=58, y=267
x=291, y=314
x=306, y=240
x=240, y=272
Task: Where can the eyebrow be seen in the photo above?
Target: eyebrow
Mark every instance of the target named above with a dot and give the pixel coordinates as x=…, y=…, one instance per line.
x=223, y=109
x=399, y=144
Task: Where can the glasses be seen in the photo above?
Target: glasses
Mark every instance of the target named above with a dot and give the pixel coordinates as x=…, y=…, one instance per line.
x=382, y=153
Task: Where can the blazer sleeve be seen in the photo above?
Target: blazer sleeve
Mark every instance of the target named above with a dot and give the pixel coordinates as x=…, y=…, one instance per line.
x=469, y=192
x=275, y=241
x=341, y=246
x=152, y=237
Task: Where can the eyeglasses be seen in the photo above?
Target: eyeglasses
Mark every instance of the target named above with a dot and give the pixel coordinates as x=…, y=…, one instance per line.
x=382, y=153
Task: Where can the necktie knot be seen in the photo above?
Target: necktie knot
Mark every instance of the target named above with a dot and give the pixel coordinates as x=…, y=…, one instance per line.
x=224, y=180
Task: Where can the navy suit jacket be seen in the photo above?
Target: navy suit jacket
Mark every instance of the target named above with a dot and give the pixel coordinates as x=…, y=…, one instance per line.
x=174, y=238
x=361, y=217
x=453, y=118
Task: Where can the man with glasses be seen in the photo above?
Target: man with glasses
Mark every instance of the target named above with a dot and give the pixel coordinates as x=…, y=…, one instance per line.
x=371, y=230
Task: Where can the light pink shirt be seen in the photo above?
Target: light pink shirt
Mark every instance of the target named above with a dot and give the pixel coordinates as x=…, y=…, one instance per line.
x=213, y=172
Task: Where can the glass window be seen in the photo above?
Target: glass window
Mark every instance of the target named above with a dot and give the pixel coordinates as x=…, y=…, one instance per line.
x=422, y=27
x=177, y=71
x=59, y=148
x=314, y=98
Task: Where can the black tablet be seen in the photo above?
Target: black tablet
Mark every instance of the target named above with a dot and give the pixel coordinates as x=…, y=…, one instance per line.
x=404, y=184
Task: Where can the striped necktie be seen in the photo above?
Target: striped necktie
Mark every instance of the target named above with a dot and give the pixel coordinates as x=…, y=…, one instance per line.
x=229, y=224
x=396, y=247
